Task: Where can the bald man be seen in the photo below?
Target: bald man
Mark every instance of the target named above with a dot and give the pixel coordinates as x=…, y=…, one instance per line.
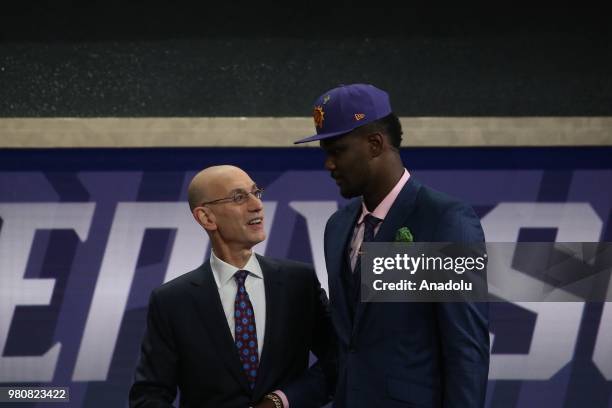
x=237, y=331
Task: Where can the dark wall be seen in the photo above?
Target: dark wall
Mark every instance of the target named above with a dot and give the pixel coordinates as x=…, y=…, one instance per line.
x=171, y=59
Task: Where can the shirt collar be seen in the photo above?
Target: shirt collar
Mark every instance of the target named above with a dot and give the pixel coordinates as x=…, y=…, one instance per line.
x=224, y=272
x=383, y=208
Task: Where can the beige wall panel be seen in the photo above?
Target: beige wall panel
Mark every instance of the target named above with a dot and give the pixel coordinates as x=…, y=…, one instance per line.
x=281, y=132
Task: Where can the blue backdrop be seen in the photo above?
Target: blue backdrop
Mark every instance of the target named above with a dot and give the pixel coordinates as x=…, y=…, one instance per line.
x=86, y=234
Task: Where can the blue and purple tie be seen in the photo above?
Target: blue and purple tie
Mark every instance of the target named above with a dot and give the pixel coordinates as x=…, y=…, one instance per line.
x=245, y=333
x=354, y=286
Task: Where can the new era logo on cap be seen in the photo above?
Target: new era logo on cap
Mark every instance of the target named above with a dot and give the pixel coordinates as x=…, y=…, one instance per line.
x=347, y=107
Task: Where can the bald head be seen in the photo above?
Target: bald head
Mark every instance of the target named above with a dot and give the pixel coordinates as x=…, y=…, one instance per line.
x=212, y=183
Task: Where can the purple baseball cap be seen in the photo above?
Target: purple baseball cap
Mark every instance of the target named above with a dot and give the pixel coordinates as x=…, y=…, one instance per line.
x=342, y=109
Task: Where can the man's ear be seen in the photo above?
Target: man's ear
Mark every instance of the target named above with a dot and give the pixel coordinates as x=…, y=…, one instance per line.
x=376, y=143
x=205, y=218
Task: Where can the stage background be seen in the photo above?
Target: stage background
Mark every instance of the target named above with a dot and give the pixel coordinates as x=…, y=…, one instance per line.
x=92, y=232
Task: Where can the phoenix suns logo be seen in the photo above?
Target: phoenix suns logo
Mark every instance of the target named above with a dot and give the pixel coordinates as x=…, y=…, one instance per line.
x=318, y=115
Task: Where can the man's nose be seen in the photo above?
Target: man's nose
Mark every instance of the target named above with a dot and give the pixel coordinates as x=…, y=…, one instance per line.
x=254, y=203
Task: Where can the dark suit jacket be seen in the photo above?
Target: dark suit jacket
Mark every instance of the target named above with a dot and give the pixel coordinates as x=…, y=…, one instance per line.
x=188, y=343
x=408, y=354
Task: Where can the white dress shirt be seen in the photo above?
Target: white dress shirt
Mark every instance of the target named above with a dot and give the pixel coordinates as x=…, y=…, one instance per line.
x=254, y=284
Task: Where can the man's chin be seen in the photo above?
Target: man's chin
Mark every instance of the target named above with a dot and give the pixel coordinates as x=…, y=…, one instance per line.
x=348, y=193
x=257, y=239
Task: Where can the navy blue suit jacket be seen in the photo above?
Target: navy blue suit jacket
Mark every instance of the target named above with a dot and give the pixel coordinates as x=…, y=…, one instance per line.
x=188, y=343
x=408, y=354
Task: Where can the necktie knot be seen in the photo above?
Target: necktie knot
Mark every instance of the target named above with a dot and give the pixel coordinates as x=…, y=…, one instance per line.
x=370, y=222
x=240, y=277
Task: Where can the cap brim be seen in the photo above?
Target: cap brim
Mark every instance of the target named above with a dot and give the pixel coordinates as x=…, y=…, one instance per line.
x=321, y=136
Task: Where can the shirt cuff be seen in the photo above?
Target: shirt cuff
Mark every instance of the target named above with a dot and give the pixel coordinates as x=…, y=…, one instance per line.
x=283, y=398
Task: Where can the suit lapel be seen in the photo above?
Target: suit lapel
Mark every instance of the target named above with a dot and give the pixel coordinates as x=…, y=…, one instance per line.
x=275, y=304
x=399, y=215
x=206, y=296
x=400, y=212
x=338, y=255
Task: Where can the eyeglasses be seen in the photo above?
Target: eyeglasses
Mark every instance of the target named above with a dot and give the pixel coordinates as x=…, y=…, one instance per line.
x=239, y=197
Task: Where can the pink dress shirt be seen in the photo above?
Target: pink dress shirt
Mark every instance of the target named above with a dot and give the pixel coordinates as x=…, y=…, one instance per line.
x=379, y=212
